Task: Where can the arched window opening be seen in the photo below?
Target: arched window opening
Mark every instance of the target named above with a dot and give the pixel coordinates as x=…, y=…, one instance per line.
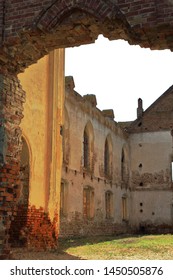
x=106, y=159
x=122, y=165
x=86, y=150
x=88, y=147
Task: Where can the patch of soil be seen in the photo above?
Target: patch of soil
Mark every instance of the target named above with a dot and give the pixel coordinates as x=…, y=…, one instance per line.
x=26, y=254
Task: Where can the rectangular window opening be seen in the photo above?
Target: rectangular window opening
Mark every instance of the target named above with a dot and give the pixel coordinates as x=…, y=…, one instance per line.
x=63, y=200
x=124, y=208
x=109, y=205
x=88, y=203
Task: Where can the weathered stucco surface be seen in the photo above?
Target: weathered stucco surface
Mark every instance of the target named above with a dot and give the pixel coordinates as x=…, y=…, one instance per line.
x=151, y=182
x=151, y=154
x=35, y=82
x=152, y=209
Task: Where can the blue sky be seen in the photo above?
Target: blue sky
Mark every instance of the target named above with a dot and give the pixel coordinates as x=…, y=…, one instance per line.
x=118, y=74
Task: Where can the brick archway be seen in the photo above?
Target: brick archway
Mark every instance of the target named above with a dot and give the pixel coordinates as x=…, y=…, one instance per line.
x=99, y=9
x=29, y=30
x=62, y=24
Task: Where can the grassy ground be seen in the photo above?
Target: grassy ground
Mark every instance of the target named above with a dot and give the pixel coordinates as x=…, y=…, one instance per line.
x=127, y=247
x=144, y=247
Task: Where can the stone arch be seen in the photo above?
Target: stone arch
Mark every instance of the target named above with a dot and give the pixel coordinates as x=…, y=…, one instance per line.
x=89, y=128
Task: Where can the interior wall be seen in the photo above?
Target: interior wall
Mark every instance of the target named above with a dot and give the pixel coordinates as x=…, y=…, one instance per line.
x=35, y=81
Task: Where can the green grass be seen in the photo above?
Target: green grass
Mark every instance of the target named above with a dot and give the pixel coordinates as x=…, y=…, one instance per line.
x=127, y=247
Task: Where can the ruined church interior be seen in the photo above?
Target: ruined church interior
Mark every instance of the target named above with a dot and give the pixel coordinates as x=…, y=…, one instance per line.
x=115, y=175
x=68, y=168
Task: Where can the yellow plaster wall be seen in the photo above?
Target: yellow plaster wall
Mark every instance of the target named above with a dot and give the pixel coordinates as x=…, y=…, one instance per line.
x=35, y=81
x=41, y=126
x=56, y=119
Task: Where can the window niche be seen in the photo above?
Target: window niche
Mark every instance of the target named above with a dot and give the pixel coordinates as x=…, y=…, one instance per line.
x=66, y=138
x=86, y=150
x=108, y=157
x=124, y=208
x=88, y=147
x=109, y=204
x=124, y=166
x=88, y=203
x=63, y=199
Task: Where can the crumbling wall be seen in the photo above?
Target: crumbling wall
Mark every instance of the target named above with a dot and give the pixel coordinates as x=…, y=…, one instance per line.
x=152, y=210
x=11, y=103
x=76, y=218
x=73, y=222
x=41, y=26
x=151, y=181
x=33, y=228
x=151, y=155
x=41, y=128
x=36, y=128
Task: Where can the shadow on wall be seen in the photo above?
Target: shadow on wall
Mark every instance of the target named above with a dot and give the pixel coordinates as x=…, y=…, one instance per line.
x=31, y=227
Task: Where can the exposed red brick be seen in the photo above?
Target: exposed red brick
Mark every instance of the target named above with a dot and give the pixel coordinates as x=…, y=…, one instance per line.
x=33, y=228
x=9, y=169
